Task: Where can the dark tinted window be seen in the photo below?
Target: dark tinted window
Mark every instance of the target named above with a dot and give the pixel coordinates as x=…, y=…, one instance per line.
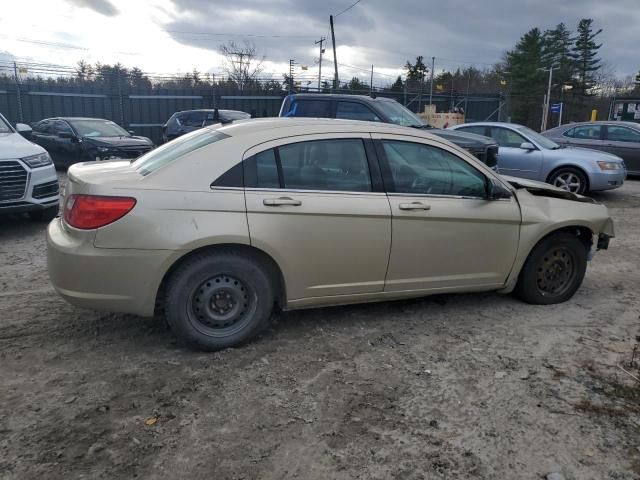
x=44, y=126
x=423, y=169
x=355, y=111
x=477, y=129
x=507, y=138
x=192, y=119
x=587, y=132
x=309, y=108
x=231, y=178
x=339, y=164
x=623, y=134
x=60, y=126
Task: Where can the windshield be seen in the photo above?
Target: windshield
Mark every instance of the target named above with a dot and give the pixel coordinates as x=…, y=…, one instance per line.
x=170, y=151
x=98, y=128
x=543, y=142
x=4, y=126
x=399, y=114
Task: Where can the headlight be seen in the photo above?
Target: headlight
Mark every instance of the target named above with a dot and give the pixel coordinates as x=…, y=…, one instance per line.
x=609, y=165
x=39, y=160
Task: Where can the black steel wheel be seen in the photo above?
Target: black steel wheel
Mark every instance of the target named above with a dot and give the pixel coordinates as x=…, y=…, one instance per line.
x=554, y=270
x=219, y=300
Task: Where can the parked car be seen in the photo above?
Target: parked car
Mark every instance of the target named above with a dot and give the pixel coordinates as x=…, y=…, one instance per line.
x=28, y=180
x=71, y=140
x=300, y=213
x=386, y=110
x=190, y=120
x=620, y=138
x=527, y=154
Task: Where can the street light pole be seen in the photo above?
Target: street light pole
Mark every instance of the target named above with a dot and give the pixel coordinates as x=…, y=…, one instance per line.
x=546, y=106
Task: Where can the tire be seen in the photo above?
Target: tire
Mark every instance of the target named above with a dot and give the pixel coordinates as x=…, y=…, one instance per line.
x=554, y=270
x=44, y=215
x=219, y=300
x=571, y=179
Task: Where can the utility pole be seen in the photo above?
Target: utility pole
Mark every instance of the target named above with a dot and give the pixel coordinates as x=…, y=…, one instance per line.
x=371, y=83
x=322, y=39
x=335, y=58
x=18, y=92
x=291, y=65
x=545, y=111
x=466, y=97
x=433, y=66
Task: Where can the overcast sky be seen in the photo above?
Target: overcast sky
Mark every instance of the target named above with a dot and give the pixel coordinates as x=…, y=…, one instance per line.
x=166, y=36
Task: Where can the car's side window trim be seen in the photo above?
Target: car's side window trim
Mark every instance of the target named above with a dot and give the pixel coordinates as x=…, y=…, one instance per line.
x=276, y=151
x=388, y=176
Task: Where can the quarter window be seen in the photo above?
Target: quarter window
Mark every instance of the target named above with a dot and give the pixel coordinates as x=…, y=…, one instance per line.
x=477, y=129
x=355, y=111
x=623, y=134
x=422, y=169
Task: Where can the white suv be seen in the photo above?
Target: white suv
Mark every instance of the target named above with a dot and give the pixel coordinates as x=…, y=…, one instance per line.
x=28, y=180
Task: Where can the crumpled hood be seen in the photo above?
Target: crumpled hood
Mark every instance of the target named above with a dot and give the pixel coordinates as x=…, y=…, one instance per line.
x=544, y=189
x=463, y=139
x=14, y=145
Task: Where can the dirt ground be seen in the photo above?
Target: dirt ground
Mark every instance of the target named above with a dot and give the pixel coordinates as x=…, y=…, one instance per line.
x=449, y=387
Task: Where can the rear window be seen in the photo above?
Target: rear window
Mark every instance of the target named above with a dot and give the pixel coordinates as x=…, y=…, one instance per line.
x=174, y=149
x=308, y=108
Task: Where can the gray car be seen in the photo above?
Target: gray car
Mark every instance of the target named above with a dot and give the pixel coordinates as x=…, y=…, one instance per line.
x=620, y=138
x=527, y=154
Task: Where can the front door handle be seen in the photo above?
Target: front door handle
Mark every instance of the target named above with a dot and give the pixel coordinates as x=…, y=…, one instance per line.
x=414, y=206
x=276, y=202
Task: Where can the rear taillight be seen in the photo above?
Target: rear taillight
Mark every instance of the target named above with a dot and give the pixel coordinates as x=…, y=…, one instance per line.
x=87, y=212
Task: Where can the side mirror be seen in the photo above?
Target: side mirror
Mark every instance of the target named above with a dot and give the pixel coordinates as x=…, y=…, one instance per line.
x=496, y=191
x=527, y=146
x=131, y=132
x=24, y=130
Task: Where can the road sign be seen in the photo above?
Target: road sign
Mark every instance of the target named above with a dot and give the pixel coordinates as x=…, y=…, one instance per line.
x=555, y=108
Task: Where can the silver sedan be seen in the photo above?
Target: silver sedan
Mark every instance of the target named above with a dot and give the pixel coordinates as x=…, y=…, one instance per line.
x=527, y=154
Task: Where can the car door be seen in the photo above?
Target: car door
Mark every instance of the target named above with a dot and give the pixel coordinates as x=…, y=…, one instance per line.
x=514, y=160
x=65, y=145
x=42, y=134
x=624, y=142
x=586, y=136
x=446, y=234
x=316, y=204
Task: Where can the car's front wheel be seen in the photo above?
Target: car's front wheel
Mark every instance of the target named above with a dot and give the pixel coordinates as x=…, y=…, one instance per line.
x=570, y=179
x=554, y=270
x=219, y=300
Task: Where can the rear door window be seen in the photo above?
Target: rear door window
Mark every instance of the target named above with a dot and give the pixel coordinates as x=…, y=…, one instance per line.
x=587, y=132
x=477, y=129
x=310, y=108
x=355, y=111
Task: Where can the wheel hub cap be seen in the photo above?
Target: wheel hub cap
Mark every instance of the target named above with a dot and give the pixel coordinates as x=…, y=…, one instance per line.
x=555, y=272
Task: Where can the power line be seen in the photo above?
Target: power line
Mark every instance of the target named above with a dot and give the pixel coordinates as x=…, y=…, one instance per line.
x=348, y=8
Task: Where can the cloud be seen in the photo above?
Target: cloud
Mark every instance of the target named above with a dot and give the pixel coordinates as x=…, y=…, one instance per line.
x=103, y=7
x=387, y=34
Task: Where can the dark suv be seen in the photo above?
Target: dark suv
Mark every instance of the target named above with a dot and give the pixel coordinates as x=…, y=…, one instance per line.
x=190, y=120
x=386, y=110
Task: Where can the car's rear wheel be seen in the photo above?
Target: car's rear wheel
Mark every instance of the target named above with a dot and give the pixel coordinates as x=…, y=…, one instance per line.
x=570, y=179
x=554, y=270
x=219, y=300
x=44, y=215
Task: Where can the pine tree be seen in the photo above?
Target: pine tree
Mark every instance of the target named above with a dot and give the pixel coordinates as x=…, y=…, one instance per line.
x=525, y=63
x=585, y=55
x=558, y=43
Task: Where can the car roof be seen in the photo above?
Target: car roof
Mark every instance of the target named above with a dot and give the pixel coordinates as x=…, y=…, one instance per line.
x=210, y=110
x=77, y=118
x=312, y=126
x=490, y=124
x=341, y=96
x=601, y=122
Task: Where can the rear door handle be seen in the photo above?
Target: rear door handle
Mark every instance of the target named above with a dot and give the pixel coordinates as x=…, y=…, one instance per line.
x=414, y=206
x=276, y=202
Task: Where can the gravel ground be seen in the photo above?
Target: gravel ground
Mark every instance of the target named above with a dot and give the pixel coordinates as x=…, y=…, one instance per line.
x=458, y=386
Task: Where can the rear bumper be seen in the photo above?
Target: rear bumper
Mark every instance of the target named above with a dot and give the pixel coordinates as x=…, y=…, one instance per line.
x=606, y=180
x=115, y=280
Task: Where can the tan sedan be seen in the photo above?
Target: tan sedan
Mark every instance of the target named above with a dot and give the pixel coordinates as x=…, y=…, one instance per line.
x=222, y=225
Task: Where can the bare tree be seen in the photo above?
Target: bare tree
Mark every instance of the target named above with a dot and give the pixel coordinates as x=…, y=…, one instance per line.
x=242, y=64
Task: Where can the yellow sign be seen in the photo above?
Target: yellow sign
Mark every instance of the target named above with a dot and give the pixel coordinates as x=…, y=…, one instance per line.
x=439, y=87
x=503, y=82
